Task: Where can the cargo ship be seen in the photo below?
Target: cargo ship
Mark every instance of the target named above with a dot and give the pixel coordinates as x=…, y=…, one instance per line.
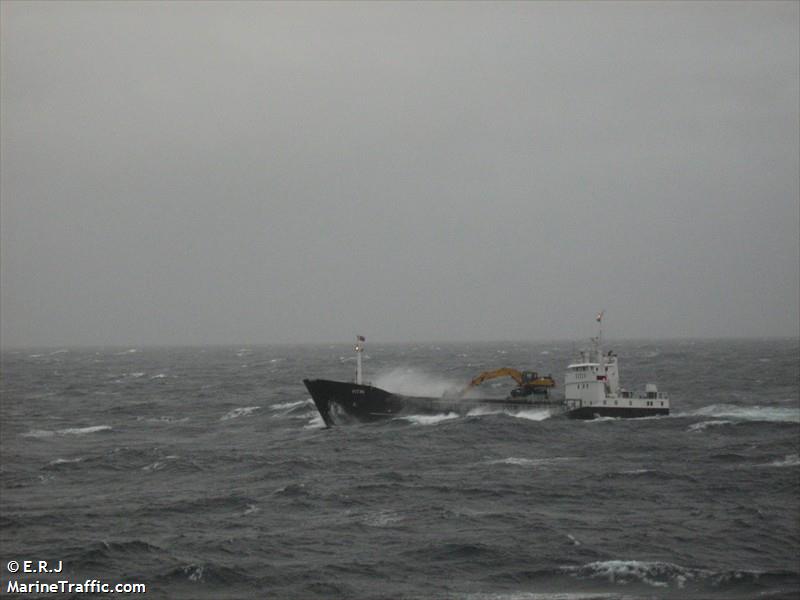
x=591, y=390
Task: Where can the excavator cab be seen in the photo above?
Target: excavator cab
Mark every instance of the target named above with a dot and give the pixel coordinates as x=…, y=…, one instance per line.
x=528, y=382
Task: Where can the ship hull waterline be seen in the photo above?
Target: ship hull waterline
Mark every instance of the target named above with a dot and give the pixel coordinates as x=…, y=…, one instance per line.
x=339, y=401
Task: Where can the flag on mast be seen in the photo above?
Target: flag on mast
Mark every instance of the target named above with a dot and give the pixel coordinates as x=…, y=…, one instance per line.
x=600, y=316
x=361, y=338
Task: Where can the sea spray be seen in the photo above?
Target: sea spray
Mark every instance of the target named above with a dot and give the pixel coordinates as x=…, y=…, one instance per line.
x=409, y=382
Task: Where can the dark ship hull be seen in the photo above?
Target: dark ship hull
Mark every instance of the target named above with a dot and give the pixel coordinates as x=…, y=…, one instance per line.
x=615, y=412
x=342, y=401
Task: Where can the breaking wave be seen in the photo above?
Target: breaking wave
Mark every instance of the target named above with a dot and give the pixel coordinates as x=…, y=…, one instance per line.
x=667, y=575
x=316, y=422
x=531, y=462
x=291, y=405
x=703, y=425
x=239, y=412
x=791, y=460
x=428, y=419
x=769, y=414
x=43, y=433
x=533, y=414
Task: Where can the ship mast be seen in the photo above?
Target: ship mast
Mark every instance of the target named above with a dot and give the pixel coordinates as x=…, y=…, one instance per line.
x=598, y=341
x=359, y=348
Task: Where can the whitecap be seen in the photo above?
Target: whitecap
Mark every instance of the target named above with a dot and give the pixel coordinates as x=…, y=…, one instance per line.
x=770, y=414
x=239, y=412
x=428, y=419
x=43, y=433
x=530, y=462
x=656, y=574
x=84, y=430
x=166, y=419
x=159, y=376
x=160, y=464
x=38, y=433
x=703, y=425
x=290, y=405
x=62, y=461
x=382, y=518
x=790, y=460
x=533, y=414
x=316, y=422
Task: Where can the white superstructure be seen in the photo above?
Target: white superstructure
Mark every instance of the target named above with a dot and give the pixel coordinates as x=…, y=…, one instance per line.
x=592, y=383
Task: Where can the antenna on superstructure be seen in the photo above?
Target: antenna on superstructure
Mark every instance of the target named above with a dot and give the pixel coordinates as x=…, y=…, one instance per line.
x=359, y=348
x=599, y=339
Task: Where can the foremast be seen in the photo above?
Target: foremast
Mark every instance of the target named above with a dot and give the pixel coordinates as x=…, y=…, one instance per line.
x=359, y=348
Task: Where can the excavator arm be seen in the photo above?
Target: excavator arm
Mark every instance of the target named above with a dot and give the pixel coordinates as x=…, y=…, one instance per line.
x=527, y=382
x=505, y=371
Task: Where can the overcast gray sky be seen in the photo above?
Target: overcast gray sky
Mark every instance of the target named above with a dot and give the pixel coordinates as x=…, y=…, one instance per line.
x=187, y=173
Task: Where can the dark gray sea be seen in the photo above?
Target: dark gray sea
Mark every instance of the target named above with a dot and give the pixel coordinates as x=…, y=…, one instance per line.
x=206, y=473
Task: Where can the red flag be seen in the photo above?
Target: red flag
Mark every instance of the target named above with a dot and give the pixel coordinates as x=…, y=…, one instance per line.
x=600, y=316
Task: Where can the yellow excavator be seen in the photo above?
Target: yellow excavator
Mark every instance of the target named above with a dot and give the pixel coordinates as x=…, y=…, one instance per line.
x=528, y=382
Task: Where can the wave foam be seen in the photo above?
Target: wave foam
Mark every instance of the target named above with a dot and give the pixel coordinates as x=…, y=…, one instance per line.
x=770, y=414
x=533, y=414
x=164, y=419
x=43, y=433
x=482, y=411
x=791, y=460
x=428, y=419
x=703, y=425
x=662, y=574
x=530, y=462
x=656, y=574
x=239, y=412
x=382, y=518
x=316, y=422
x=290, y=405
x=65, y=461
